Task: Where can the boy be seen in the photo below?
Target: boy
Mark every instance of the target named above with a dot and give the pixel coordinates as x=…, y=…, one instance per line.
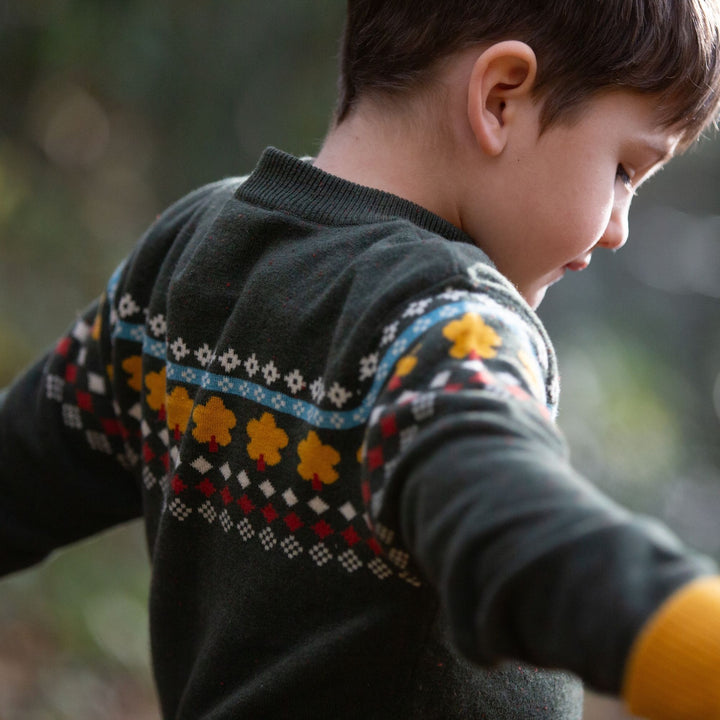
x=326, y=390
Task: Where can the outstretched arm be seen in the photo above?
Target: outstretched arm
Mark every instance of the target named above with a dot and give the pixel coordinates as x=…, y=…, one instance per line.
x=531, y=561
x=61, y=449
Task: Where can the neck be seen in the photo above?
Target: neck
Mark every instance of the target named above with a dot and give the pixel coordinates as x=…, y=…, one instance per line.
x=393, y=154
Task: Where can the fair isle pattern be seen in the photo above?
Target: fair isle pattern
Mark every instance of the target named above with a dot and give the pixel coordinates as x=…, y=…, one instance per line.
x=297, y=523
x=445, y=375
x=239, y=491
x=237, y=497
x=418, y=320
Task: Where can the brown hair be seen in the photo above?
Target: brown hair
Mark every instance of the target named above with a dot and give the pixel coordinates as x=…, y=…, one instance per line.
x=668, y=48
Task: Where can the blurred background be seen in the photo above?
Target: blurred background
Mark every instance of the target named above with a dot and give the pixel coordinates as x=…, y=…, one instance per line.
x=111, y=110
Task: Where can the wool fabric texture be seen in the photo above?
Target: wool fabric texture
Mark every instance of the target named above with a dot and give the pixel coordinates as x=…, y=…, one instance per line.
x=337, y=420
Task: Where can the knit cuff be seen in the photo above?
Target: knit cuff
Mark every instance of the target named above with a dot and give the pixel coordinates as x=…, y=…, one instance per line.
x=673, y=672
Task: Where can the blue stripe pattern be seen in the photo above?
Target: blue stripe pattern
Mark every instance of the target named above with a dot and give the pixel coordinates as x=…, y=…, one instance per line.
x=280, y=402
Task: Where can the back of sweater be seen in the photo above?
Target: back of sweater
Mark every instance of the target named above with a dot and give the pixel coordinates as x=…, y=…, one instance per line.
x=336, y=419
x=292, y=601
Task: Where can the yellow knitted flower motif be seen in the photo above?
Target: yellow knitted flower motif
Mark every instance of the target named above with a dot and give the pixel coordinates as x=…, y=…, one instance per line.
x=472, y=337
x=405, y=365
x=97, y=326
x=213, y=422
x=155, y=382
x=266, y=441
x=133, y=367
x=179, y=409
x=317, y=461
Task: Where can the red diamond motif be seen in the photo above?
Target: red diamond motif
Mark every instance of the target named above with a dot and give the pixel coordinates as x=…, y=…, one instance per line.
x=351, y=536
x=366, y=492
x=227, y=498
x=84, y=400
x=148, y=453
x=206, y=488
x=111, y=426
x=388, y=426
x=269, y=512
x=63, y=347
x=375, y=458
x=246, y=504
x=293, y=522
x=375, y=546
x=322, y=529
x=481, y=377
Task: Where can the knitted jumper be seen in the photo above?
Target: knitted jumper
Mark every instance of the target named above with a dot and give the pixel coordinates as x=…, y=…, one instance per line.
x=336, y=418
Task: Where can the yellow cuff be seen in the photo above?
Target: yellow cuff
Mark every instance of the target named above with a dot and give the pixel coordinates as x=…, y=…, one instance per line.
x=673, y=672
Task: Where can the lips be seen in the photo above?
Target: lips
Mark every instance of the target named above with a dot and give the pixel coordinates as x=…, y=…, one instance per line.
x=577, y=265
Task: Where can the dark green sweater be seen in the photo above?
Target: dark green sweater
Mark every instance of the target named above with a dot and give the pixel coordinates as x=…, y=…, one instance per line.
x=335, y=417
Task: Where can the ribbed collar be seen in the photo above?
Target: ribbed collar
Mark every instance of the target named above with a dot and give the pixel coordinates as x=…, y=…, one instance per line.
x=281, y=181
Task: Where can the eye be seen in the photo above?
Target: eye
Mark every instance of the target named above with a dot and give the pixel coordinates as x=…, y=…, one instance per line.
x=624, y=177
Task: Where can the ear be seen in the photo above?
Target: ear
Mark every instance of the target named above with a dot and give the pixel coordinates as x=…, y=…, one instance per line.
x=502, y=78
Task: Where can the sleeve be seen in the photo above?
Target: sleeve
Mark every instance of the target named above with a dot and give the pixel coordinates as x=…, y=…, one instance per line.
x=63, y=474
x=463, y=458
x=69, y=437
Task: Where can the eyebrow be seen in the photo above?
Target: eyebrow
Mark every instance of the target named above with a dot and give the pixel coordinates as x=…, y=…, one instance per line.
x=660, y=152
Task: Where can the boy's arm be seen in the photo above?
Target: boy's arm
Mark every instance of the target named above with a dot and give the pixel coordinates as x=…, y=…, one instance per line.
x=532, y=562
x=69, y=427
x=62, y=451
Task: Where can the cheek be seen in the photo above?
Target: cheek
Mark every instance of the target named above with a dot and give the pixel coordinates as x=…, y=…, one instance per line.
x=589, y=218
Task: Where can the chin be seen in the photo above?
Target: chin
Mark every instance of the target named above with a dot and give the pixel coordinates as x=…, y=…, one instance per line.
x=535, y=297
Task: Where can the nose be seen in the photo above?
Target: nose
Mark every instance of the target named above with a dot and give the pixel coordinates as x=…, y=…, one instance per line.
x=616, y=231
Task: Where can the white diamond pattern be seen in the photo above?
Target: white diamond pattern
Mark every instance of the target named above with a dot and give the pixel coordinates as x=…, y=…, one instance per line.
x=202, y=465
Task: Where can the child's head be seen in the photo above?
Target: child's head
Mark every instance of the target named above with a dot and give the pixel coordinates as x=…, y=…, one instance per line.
x=529, y=124
x=666, y=48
